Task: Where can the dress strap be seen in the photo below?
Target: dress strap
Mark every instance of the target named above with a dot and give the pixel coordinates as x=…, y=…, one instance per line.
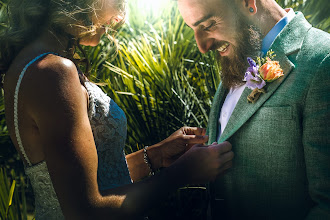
x=18, y=137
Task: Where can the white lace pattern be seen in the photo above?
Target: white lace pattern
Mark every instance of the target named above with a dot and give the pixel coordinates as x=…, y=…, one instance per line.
x=109, y=127
x=45, y=199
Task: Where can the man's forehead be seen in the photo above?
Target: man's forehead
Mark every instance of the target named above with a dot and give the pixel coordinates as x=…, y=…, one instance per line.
x=197, y=4
x=194, y=11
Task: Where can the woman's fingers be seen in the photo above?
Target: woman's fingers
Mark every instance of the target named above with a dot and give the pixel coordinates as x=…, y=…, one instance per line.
x=194, y=131
x=195, y=139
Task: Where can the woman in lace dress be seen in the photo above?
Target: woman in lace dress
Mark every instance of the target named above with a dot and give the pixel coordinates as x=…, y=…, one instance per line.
x=70, y=135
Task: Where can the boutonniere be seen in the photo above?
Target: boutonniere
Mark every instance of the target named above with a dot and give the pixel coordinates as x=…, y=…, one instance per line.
x=260, y=72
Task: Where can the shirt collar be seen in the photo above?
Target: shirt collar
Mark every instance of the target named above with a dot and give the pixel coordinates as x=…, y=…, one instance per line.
x=272, y=34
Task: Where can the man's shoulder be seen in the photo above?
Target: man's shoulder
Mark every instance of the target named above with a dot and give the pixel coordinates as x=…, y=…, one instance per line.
x=316, y=46
x=317, y=40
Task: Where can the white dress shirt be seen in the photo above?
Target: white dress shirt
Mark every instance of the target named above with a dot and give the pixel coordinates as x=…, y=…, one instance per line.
x=229, y=105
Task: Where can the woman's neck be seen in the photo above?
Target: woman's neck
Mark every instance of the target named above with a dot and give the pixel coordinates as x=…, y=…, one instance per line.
x=49, y=41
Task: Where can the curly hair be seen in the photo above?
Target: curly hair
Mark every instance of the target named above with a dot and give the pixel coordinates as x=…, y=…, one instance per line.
x=24, y=20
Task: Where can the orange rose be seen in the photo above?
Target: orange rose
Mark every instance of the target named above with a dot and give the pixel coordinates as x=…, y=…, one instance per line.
x=270, y=71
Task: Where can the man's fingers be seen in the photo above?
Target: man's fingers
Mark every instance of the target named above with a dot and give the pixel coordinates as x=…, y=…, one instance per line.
x=226, y=157
x=222, y=147
x=194, y=131
x=226, y=166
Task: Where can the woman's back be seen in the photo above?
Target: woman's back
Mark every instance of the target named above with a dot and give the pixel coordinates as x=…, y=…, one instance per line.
x=107, y=121
x=30, y=133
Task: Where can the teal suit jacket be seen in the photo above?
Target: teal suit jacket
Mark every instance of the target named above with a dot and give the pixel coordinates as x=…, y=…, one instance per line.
x=281, y=168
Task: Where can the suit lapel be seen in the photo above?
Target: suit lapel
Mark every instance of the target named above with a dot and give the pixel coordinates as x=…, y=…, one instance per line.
x=213, y=125
x=244, y=110
x=286, y=43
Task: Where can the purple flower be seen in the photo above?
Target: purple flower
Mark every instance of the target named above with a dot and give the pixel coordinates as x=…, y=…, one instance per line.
x=252, y=76
x=251, y=62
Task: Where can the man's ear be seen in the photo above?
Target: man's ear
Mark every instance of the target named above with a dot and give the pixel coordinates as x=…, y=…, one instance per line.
x=250, y=6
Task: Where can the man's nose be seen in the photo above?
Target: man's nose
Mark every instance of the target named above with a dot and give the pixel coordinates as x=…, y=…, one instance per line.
x=203, y=41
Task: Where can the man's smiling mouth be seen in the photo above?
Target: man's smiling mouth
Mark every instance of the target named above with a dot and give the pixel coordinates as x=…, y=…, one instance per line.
x=223, y=48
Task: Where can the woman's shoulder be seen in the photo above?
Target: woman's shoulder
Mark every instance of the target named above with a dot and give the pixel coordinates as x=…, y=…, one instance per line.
x=52, y=81
x=40, y=69
x=51, y=75
x=52, y=65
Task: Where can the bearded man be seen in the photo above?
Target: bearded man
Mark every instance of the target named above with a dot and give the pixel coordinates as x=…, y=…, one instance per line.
x=281, y=138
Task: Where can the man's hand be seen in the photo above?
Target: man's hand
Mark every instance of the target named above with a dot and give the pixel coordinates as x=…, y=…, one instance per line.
x=202, y=164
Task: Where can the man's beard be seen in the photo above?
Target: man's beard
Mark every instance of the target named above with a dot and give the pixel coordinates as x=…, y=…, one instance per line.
x=249, y=45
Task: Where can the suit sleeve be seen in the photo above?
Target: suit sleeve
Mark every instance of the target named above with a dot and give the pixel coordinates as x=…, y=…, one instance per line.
x=316, y=140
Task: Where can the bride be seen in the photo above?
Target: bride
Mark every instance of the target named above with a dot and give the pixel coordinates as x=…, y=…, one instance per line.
x=70, y=135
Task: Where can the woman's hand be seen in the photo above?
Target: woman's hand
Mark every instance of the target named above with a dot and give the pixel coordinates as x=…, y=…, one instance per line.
x=178, y=143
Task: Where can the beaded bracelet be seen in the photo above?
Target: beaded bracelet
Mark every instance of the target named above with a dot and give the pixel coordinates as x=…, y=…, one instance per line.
x=147, y=161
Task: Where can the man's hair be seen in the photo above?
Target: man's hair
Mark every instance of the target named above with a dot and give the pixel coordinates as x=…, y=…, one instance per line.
x=25, y=20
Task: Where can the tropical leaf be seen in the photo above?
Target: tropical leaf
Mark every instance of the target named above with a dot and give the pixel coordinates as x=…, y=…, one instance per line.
x=10, y=197
x=154, y=78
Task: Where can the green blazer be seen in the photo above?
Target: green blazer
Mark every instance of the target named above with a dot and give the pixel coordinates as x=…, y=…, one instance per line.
x=281, y=168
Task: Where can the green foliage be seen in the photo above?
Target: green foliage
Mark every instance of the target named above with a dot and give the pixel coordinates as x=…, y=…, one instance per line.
x=3, y=12
x=159, y=78
x=12, y=196
x=315, y=11
x=262, y=60
x=8, y=155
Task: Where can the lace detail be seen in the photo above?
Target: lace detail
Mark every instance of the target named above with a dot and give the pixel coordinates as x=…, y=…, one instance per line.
x=109, y=128
x=46, y=202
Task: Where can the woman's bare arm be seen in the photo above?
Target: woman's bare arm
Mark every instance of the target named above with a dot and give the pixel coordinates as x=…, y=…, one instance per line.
x=60, y=111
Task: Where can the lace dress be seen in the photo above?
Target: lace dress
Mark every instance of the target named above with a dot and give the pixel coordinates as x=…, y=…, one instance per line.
x=108, y=124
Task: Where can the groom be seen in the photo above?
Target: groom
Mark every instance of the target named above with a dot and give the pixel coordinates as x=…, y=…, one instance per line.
x=281, y=140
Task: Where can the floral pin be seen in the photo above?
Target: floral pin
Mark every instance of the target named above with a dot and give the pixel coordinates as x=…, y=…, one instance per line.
x=256, y=77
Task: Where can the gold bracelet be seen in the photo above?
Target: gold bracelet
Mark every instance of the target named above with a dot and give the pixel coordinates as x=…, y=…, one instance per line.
x=147, y=161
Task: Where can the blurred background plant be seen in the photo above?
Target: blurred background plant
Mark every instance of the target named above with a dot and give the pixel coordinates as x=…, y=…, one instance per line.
x=317, y=12
x=159, y=78
x=13, y=203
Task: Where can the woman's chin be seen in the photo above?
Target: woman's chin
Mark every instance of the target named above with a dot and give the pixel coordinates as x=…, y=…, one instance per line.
x=92, y=44
x=91, y=41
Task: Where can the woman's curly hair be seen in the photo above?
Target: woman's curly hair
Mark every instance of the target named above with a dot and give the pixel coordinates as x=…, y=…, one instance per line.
x=24, y=20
